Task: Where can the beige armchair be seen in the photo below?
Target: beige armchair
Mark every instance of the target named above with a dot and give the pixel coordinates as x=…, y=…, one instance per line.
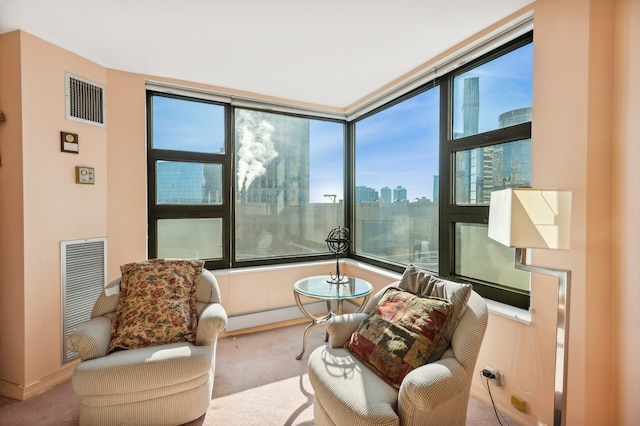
x=347, y=392
x=166, y=384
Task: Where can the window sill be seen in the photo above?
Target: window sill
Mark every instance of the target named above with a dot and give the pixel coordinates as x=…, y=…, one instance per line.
x=507, y=311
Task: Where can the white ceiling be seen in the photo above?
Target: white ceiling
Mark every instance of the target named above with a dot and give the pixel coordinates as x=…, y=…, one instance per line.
x=327, y=52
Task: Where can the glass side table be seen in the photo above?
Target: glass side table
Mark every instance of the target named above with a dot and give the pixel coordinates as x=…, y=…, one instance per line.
x=319, y=288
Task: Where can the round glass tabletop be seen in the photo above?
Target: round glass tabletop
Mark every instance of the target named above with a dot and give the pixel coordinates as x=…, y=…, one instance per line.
x=319, y=287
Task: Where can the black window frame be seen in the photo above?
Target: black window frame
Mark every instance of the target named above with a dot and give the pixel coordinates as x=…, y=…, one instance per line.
x=157, y=212
x=452, y=213
x=449, y=212
x=226, y=210
x=257, y=262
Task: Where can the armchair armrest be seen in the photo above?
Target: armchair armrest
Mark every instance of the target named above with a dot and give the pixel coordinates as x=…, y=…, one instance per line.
x=212, y=320
x=341, y=327
x=90, y=339
x=432, y=385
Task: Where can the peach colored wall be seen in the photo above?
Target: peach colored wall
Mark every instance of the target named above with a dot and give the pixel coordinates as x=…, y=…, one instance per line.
x=576, y=41
x=572, y=148
x=11, y=214
x=72, y=211
x=627, y=212
x=247, y=290
x=126, y=170
x=54, y=207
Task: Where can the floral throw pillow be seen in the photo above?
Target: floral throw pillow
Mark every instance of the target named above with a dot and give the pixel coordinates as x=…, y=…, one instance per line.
x=400, y=333
x=157, y=304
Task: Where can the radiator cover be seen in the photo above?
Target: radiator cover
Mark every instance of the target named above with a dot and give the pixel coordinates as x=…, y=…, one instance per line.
x=83, y=277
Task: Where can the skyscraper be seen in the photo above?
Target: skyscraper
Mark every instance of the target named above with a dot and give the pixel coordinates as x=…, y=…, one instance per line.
x=385, y=194
x=364, y=194
x=471, y=106
x=399, y=194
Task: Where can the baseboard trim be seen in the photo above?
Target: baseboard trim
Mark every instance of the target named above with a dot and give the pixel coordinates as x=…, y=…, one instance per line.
x=24, y=392
x=288, y=313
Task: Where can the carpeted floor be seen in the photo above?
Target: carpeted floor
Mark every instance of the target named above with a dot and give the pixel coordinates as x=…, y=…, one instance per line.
x=258, y=382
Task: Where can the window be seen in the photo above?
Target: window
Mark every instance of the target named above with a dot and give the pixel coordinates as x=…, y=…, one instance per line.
x=425, y=166
x=189, y=209
x=486, y=147
x=288, y=181
x=289, y=184
x=396, y=182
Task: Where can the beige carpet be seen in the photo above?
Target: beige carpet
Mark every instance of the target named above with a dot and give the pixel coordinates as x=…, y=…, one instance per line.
x=258, y=382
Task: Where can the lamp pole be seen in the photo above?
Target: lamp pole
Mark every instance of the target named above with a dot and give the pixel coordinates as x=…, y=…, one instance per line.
x=562, y=332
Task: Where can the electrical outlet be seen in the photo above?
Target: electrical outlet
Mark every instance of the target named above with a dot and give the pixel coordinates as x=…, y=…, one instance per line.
x=519, y=403
x=496, y=375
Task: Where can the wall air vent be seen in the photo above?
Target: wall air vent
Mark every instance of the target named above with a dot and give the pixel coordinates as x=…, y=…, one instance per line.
x=83, y=276
x=85, y=100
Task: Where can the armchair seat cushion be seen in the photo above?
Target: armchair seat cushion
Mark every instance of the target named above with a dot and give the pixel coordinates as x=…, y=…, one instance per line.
x=161, y=368
x=349, y=392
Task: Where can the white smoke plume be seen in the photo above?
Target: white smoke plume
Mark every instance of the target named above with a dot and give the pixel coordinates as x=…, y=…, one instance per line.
x=256, y=150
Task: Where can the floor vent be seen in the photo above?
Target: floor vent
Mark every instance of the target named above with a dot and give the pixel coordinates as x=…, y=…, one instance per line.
x=84, y=275
x=85, y=100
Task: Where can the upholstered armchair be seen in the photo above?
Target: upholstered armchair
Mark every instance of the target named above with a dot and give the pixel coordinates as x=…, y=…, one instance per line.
x=347, y=391
x=151, y=383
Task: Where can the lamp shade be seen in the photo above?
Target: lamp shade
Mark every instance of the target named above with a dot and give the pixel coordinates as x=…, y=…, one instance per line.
x=530, y=218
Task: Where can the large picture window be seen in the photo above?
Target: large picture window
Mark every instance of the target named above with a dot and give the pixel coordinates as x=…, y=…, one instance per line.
x=486, y=146
x=396, y=182
x=412, y=179
x=289, y=184
x=189, y=193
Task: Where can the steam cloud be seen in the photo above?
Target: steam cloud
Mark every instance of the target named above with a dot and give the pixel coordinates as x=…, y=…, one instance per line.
x=256, y=150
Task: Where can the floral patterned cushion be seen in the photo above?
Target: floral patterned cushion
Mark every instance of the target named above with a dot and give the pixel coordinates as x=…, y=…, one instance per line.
x=157, y=304
x=400, y=333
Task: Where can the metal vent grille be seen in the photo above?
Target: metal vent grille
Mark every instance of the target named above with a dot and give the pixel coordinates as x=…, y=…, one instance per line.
x=85, y=101
x=84, y=275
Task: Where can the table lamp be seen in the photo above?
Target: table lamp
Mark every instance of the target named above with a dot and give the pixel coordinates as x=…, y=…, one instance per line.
x=524, y=218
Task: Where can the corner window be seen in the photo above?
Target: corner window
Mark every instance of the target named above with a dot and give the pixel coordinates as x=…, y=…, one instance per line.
x=411, y=179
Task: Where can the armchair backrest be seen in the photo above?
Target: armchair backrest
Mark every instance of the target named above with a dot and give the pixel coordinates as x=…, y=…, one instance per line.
x=208, y=290
x=469, y=333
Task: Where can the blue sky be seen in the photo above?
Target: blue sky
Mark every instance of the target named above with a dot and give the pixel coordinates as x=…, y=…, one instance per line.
x=384, y=140
x=395, y=147
x=399, y=146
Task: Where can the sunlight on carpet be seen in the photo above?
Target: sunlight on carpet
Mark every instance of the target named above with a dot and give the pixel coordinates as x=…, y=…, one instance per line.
x=265, y=405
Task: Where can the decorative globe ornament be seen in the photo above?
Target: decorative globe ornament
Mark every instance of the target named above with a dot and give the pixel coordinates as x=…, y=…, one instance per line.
x=338, y=243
